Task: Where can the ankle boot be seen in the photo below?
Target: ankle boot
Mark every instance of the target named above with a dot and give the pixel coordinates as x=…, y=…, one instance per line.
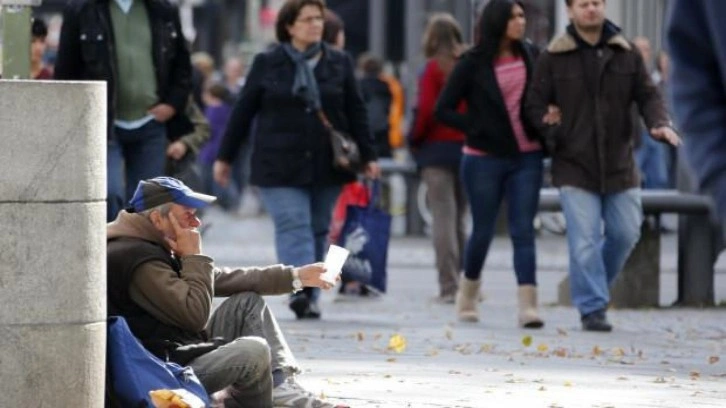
x=466, y=300
x=528, y=317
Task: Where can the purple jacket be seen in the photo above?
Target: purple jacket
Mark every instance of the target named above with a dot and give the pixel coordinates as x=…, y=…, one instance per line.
x=218, y=116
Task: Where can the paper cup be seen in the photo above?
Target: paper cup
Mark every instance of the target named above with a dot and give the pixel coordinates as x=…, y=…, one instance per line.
x=334, y=261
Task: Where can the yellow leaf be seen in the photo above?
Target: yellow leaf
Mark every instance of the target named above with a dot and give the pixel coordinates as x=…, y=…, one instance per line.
x=618, y=352
x=360, y=336
x=527, y=341
x=397, y=343
x=391, y=360
x=568, y=384
x=596, y=351
x=485, y=348
x=542, y=348
x=713, y=359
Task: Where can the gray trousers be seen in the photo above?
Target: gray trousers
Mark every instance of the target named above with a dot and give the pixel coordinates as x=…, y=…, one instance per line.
x=447, y=202
x=239, y=374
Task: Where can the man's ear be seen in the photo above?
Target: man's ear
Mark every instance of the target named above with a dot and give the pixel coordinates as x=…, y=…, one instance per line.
x=155, y=218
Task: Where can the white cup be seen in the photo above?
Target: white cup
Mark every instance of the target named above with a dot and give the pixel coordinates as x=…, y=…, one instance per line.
x=334, y=261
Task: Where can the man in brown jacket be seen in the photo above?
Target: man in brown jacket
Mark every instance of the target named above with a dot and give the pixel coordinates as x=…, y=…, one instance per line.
x=593, y=75
x=160, y=281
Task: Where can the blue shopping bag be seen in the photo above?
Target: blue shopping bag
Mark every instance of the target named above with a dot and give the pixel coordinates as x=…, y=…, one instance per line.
x=134, y=371
x=365, y=234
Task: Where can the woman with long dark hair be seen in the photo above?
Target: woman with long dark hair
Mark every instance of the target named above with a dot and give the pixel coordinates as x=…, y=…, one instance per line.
x=502, y=152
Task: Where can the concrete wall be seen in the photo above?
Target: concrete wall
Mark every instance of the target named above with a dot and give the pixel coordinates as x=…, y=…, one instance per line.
x=52, y=262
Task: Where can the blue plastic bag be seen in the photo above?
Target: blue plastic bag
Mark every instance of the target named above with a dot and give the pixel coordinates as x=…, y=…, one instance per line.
x=134, y=371
x=365, y=234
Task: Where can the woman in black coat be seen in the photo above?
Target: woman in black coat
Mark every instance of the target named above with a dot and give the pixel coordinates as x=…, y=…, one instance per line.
x=292, y=157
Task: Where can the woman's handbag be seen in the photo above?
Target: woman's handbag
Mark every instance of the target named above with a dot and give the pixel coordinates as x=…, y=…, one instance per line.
x=346, y=155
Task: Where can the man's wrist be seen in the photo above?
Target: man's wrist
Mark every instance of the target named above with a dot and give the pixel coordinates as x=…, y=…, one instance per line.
x=296, y=282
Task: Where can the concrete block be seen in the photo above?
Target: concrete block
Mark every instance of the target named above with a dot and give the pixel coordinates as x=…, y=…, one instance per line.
x=54, y=141
x=52, y=366
x=52, y=263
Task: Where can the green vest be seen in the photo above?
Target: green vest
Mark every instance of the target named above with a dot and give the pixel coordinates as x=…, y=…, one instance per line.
x=136, y=79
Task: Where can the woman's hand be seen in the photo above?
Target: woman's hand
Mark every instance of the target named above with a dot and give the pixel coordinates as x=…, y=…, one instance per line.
x=372, y=170
x=222, y=172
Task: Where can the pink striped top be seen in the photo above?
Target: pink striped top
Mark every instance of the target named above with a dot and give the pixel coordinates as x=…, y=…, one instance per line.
x=511, y=75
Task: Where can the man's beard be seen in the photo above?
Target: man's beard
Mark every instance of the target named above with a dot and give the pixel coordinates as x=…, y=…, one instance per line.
x=590, y=28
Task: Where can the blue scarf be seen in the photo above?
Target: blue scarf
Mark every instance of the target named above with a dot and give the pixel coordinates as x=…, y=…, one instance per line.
x=304, y=86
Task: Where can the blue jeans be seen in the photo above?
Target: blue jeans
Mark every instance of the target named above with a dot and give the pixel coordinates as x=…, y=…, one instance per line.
x=132, y=156
x=302, y=217
x=653, y=158
x=596, y=258
x=487, y=180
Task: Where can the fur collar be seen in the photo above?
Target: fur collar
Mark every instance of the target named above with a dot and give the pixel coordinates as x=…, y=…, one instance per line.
x=566, y=43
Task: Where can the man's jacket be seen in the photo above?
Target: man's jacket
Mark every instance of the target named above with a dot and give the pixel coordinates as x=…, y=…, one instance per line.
x=86, y=50
x=592, y=148
x=167, y=300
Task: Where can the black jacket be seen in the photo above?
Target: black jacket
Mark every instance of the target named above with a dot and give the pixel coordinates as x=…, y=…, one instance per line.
x=86, y=51
x=486, y=124
x=291, y=146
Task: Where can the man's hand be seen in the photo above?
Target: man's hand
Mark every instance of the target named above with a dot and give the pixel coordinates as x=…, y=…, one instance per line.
x=162, y=112
x=311, y=276
x=177, y=150
x=187, y=240
x=666, y=134
x=372, y=170
x=222, y=172
x=553, y=115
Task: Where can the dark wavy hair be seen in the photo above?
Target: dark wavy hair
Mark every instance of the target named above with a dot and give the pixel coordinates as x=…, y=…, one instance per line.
x=492, y=27
x=289, y=12
x=332, y=27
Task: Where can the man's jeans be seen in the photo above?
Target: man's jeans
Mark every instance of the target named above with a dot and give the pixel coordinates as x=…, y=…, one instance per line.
x=596, y=258
x=302, y=218
x=132, y=156
x=489, y=179
x=240, y=372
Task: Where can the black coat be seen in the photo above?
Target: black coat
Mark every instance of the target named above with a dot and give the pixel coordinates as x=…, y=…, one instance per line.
x=486, y=124
x=86, y=52
x=291, y=146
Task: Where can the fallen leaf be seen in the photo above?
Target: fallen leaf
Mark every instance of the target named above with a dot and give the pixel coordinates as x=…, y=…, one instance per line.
x=713, y=359
x=432, y=353
x=391, y=360
x=449, y=334
x=568, y=384
x=397, y=343
x=562, y=332
x=527, y=341
x=618, y=352
x=695, y=375
x=542, y=388
x=596, y=351
x=360, y=336
x=542, y=348
x=622, y=378
x=485, y=348
x=660, y=380
x=387, y=376
x=560, y=352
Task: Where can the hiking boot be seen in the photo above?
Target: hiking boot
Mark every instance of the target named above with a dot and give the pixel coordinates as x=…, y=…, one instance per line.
x=291, y=394
x=596, y=321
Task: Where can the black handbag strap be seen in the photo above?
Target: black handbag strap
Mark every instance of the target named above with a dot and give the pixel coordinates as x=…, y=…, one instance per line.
x=324, y=118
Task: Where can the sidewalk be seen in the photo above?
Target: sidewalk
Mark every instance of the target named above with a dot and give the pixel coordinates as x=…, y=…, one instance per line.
x=654, y=358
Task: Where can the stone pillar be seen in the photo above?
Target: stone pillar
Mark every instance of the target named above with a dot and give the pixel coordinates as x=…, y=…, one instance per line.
x=53, y=257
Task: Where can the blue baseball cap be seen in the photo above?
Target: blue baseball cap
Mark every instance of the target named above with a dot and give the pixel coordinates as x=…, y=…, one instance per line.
x=162, y=190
